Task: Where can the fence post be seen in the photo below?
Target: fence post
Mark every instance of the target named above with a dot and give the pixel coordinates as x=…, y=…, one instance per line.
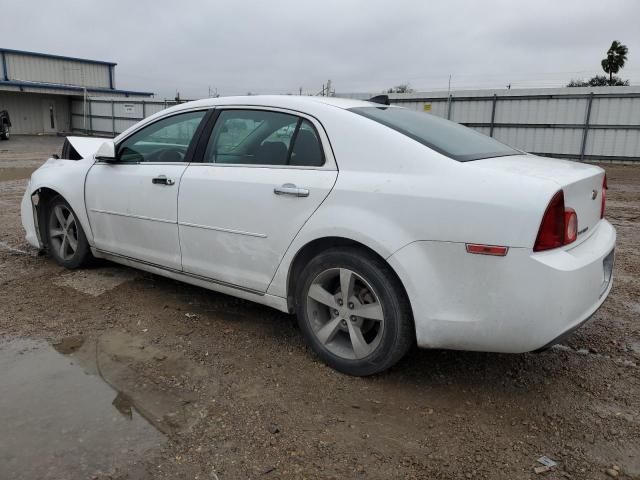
x=113, y=117
x=449, y=102
x=585, y=131
x=493, y=113
x=90, y=118
x=144, y=110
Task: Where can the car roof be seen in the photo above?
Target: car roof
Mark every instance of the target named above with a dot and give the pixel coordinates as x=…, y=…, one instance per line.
x=295, y=102
x=314, y=106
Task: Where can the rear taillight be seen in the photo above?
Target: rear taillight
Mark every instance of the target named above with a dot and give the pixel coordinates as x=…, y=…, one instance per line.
x=604, y=196
x=559, y=225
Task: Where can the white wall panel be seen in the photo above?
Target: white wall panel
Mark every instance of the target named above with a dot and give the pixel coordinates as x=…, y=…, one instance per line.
x=55, y=70
x=615, y=111
x=541, y=111
x=27, y=111
x=471, y=111
x=610, y=142
x=541, y=140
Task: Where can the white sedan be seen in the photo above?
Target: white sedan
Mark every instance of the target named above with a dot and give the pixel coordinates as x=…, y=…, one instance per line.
x=380, y=227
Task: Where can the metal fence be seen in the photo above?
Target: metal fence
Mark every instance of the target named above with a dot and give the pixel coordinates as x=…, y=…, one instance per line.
x=103, y=116
x=587, y=124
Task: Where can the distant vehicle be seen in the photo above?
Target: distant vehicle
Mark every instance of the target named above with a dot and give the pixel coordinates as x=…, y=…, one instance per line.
x=380, y=227
x=5, y=125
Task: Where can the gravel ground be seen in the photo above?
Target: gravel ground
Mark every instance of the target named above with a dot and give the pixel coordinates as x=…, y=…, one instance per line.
x=235, y=392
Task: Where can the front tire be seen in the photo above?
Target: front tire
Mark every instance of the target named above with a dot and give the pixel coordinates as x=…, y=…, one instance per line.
x=66, y=241
x=354, y=312
x=4, y=133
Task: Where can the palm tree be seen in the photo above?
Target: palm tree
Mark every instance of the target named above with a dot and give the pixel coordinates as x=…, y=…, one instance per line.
x=616, y=56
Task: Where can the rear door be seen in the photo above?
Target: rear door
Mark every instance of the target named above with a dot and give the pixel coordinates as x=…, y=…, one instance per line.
x=132, y=203
x=262, y=173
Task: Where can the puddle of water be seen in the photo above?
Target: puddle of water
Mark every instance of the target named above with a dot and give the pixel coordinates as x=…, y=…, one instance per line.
x=60, y=421
x=15, y=173
x=98, y=281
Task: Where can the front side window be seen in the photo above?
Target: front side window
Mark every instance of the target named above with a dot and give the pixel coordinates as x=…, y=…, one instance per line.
x=165, y=141
x=260, y=137
x=449, y=138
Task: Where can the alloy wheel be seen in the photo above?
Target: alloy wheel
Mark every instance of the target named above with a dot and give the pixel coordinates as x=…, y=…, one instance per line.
x=63, y=232
x=345, y=313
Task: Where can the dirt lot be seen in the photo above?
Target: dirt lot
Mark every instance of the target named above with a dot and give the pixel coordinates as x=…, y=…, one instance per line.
x=113, y=373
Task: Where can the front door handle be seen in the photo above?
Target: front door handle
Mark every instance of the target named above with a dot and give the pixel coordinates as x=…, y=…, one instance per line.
x=162, y=180
x=291, y=189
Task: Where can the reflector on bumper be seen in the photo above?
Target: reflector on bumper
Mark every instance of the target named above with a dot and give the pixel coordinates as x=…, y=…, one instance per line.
x=607, y=265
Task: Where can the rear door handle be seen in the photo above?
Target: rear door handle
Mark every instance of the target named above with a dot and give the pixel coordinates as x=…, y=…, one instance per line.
x=162, y=180
x=291, y=189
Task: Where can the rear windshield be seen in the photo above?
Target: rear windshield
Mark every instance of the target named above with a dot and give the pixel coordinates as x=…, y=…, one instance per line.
x=448, y=138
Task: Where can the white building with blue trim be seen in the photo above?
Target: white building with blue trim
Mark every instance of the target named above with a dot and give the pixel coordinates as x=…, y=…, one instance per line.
x=37, y=89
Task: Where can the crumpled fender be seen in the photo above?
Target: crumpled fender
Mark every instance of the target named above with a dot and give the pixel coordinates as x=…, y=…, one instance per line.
x=66, y=177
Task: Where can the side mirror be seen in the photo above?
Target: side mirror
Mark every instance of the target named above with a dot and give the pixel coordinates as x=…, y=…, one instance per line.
x=106, y=152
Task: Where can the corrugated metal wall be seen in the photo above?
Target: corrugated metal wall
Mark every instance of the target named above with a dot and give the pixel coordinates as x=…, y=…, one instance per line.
x=579, y=123
x=55, y=70
x=29, y=111
x=111, y=116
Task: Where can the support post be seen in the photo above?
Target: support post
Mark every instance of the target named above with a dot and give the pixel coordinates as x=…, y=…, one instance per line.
x=449, y=102
x=84, y=111
x=144, y=108
x=113, y=117
x=5, y=75
x=493, y=114
x=585, y=131
x=90, y=118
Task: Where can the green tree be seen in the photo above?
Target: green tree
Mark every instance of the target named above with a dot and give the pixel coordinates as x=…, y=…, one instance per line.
x=616, y=57
x=599, y=81
x=404, y=88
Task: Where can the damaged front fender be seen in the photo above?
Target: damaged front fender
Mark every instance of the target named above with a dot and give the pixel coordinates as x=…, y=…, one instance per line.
x=55, y=177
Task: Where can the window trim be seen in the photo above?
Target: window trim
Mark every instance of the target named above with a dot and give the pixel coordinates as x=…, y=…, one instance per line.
x=205, y=135
x=188, y=158
x=292, y=142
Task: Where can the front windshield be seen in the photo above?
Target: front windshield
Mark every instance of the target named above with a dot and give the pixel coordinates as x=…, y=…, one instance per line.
x=448, y=138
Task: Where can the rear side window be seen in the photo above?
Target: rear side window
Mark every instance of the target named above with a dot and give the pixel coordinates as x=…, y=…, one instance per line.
x=261, y=137
x=448, y=138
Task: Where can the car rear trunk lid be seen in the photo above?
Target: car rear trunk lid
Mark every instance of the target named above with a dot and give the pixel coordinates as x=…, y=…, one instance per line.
x=581, y=183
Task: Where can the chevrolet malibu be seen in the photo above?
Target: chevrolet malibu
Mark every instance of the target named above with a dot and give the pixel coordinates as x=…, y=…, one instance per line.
x=380, y=227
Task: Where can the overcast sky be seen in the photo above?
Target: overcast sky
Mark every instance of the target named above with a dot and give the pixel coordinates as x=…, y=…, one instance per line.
x=278, y=46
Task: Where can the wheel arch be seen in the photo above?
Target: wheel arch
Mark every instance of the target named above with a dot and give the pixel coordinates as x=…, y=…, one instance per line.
x=40, y=198
x=43, y=196
x=314, y=247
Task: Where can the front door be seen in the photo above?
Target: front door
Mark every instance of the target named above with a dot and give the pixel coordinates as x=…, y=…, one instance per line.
x=132, y=203
x=262, y=175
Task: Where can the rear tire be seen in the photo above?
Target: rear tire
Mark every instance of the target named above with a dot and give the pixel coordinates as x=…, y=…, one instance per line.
x=370, y=330
x=4, y=133
x=66, y=241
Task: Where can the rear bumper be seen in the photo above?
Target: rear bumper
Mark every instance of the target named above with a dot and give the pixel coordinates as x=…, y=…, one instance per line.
x=518, y=303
